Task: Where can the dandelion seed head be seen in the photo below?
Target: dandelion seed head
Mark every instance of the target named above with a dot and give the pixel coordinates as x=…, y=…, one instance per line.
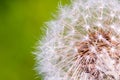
x=82, y=43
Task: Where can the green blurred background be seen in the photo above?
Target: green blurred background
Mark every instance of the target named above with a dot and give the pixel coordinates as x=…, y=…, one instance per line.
x=20, y=29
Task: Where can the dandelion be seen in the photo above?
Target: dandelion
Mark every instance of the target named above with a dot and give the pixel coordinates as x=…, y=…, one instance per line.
x=82, y=43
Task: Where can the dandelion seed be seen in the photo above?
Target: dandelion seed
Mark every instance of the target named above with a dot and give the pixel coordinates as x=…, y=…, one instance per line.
x=112, y=14
x=100, y=37
x=98, y=24
x=87, y=27
x=112, y=49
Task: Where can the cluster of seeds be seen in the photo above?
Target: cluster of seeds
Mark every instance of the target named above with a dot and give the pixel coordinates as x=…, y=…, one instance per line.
x=82, y=43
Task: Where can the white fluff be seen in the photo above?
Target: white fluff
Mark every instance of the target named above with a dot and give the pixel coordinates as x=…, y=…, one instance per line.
x=57, y=54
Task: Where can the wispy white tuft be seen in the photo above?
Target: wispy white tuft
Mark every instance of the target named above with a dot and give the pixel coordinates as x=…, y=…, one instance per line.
x=82, y=43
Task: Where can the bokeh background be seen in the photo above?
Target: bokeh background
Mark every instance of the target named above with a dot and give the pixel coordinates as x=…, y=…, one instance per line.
x=20, y=29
